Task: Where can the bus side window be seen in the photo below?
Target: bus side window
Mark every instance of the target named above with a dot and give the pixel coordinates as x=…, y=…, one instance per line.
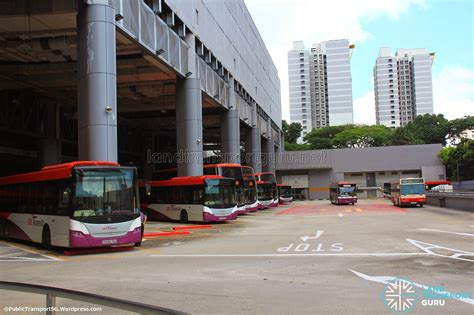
x=24, y=196
x=64, y=198
x=50, y=189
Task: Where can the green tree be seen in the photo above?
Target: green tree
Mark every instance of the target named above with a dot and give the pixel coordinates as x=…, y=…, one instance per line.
x=429, y=128
x=457, y=127
x=322, y=138
x=364, y=136
x=297, y=146
x=459, y=160
x=404, y=136
x=291, y=131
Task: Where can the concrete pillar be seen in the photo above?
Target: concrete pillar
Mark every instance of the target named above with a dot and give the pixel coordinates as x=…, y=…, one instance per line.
x=189, y=118
x=230, y=130
x=49, y=152
x=268, y=164
x=97, y=94
x=253, y=149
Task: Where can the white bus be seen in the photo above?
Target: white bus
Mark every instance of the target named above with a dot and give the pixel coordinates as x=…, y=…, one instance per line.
x=72, y=205
x=208, y=198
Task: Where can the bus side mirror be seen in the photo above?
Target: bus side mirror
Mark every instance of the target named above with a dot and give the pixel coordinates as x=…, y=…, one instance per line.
x=148, y=189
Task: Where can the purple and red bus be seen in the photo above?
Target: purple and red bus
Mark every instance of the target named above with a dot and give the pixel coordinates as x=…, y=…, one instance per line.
x=73, y=205
x=231, y=170
x=208, y=198
x=343, y=193
x=264, y=195
x=284, y=193
x=269, y=177
x=250, y=189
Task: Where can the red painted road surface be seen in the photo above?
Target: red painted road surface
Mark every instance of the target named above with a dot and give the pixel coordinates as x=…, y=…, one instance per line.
x=321, y=209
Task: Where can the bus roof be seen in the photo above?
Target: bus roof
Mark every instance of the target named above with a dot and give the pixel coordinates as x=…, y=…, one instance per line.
x=343, y=183
x=438, y=182
x=222, y=165
x=51, y=172
x=183, y=181
x=264, y=173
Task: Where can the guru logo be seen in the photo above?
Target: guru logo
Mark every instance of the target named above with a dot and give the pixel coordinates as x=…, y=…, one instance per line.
x=400, y=295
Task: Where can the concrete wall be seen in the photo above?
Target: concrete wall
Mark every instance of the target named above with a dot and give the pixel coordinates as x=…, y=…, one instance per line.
x=451, y=200
x=227, y=29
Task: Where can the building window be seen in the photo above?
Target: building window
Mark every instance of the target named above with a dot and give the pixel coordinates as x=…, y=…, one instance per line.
x=381, y=173
x=394, y=173
x=356, y=174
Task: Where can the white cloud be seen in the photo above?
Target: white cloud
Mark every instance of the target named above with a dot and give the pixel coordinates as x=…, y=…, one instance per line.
x=364, y=109
x=453, y=92
x=280, y=22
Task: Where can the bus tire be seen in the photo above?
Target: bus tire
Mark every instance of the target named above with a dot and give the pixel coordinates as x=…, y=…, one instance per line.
x=421, y=205
x=138, y=244
x=46, y=237
x=183, y=216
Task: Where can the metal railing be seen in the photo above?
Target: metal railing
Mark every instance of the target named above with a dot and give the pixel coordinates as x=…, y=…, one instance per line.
x=52, y=293
x=151, y=32
x=459, y=194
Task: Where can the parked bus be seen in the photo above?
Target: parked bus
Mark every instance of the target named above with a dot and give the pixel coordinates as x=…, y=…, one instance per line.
x=343, y=193
x=408, y=191
x=72, y=205
x=209, y=198
x=264, y=195
x=269, y=178
x=250, y=189
x=231, y=170
x=284, y=193
x=429, y=185
x=386, y=190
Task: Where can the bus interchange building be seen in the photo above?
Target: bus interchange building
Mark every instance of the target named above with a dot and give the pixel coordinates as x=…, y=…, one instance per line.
x=311, y=172
x=123, y=81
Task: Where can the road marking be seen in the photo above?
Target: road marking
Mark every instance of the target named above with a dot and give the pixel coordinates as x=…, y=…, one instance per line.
x=289, y=255
x=386, y=279
x=32, y=252
x=359, y=209
x=347, y=210
x=449, y=232
x=307, y=237
x=427, y=248
x=322, y=210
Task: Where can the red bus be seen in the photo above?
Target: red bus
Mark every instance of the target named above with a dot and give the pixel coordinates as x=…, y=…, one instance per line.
x=432, y=184
x=284, y=193
x=269, y=178
x=231, y=170
x=250, y=189
x=343, y=193
x=408, y=191
x=209, y=198
x=264, y=194
x=72, y=205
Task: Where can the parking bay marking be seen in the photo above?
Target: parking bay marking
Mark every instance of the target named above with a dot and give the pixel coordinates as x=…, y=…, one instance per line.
x=387, y=279
x=449, y=232
x=287, y=255
x=427, y=248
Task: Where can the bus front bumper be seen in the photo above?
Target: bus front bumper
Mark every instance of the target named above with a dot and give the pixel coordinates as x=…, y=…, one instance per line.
x=77, y=239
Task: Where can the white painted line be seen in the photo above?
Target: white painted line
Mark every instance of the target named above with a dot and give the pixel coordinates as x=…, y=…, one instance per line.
x=307, y=237
x=386, y=279
x=427, y=248
x=32, y=252
x=291, y=255
x=449, y=232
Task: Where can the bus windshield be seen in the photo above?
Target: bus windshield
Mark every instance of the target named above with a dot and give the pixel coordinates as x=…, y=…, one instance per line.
x=268, y=178
x=285, y=191
x=108, y=194
x=346, y=190
x=232, y=172
x=219, y=193
x=265, y=191
x=412, y=189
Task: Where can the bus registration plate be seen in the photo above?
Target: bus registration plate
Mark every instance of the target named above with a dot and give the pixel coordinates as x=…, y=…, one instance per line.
x=113, y=241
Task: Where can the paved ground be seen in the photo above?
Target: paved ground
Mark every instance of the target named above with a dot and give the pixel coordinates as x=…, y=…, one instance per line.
x=306, y=258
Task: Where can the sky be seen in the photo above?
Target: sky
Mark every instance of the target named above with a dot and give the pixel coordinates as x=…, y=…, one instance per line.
x=445, y=27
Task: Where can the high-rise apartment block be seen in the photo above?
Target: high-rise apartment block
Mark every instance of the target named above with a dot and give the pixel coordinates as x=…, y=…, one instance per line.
x=403, y=86
x=320, y=84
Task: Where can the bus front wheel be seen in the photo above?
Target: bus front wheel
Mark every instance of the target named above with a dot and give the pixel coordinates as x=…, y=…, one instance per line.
x=138, y=244
x=46, y=238
x=183, y=217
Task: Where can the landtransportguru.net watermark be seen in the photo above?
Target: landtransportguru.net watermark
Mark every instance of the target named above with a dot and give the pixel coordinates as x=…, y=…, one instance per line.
x=49, y=309
x=402, y=296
